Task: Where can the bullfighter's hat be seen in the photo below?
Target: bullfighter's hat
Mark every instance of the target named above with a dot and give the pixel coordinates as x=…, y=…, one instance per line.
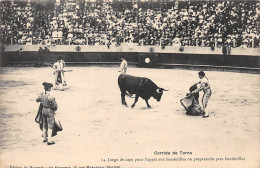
x=47, y=85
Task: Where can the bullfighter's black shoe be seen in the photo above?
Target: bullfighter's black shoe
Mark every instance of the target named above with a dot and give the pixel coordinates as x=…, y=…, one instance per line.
x=205, y=116
x=50, y=143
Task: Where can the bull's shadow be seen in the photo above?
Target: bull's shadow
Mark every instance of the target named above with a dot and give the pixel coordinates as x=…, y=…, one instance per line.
x=141, y=87
x=150, y=108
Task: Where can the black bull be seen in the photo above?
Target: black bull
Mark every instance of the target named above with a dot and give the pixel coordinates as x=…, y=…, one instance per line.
x=141, y=87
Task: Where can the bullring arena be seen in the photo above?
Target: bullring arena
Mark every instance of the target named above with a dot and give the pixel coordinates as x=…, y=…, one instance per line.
x=98, y=131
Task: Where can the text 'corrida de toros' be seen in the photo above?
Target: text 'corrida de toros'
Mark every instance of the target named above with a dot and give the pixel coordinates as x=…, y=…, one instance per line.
x=172, y=153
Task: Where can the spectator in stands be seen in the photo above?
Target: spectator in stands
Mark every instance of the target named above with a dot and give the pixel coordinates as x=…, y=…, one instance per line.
x=40, y=50
x=46, y=50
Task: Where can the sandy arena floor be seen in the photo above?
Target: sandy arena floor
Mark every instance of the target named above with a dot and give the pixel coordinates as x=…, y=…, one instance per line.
x=97, y=127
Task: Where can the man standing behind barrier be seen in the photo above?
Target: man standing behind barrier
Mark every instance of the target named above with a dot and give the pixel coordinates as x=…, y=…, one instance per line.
x=59, y=74
x=123, y=66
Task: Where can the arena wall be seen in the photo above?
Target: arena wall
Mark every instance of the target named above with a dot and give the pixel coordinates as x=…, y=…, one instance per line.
x=240, y=59
x=134, y=48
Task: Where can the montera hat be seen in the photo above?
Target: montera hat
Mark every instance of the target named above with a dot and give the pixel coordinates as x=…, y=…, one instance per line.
x=47, y=85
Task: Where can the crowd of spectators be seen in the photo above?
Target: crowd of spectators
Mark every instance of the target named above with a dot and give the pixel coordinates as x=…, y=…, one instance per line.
x=186, y=23
x=16, y=22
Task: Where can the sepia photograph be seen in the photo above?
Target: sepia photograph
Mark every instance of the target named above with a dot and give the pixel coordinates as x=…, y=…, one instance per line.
x=129, y=83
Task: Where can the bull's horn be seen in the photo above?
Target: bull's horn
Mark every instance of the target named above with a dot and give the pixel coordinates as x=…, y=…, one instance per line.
x=158, y=90
x=164, y=89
